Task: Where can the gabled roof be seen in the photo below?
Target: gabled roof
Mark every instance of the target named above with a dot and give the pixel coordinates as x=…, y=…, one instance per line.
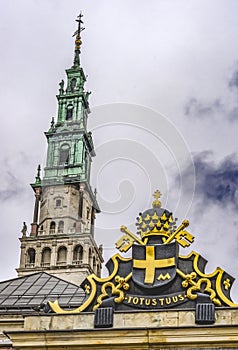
x=32, y=292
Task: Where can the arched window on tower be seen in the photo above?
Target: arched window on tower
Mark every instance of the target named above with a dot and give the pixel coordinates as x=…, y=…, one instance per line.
x=88, y=213
x=78, y=255
x=64, y=155
x=69, y=112
x=73, y=84
x=41, y=230
x=62, y=256
x=61, y=227
x=94, y=264
x=30, y=258
x=58, y=203
x=90, y=257
x=52, y=228
x=46, y=256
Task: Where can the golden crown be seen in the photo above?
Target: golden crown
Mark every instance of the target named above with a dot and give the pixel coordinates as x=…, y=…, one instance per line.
x=155, y=221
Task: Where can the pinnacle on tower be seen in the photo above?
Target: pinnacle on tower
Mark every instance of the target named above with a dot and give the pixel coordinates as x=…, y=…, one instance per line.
x=38, y=178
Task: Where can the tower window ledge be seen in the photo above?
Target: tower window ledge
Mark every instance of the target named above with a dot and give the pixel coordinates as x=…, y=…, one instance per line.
x=77, y=262
x=47, y=264
x=69, y=166
x=53, y=167
x=61, y=263
x=63, y=166
x=72, y=230
x=30, y=265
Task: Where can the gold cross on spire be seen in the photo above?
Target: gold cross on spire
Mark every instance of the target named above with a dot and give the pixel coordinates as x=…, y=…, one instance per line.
x=78, y=41
x=156, y=203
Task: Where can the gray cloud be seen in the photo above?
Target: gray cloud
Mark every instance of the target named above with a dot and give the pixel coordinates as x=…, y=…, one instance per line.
x=199, y=109
x=233, y=85
x=12, y=187
x=233, y=82
x=216, y=183
x=12, y=181
x=224, y=107
x=233, y=114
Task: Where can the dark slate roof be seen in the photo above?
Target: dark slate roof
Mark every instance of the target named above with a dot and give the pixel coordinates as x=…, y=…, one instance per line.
x=31, y=293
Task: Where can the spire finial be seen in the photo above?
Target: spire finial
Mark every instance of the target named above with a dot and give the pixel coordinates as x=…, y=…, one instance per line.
x=156, y=203
x=78, y=41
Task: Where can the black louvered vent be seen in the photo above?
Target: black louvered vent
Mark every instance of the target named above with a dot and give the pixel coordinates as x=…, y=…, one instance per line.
x=103, y=317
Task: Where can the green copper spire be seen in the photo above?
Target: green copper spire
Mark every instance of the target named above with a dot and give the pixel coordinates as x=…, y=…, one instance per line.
x=78, y=41
x=61, y=241
x=70, y=144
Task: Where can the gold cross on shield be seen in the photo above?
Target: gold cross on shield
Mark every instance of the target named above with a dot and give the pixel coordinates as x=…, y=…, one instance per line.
x=150, y=264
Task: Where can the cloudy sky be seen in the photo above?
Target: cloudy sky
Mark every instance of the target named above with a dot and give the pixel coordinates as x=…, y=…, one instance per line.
x=164, y=82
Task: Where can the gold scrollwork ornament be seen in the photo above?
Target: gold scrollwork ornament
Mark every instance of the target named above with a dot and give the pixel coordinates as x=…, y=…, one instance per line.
x=115, y=290
x=191, y=292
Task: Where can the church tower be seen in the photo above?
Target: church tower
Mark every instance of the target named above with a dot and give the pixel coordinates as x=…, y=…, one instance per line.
x=61, y=240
